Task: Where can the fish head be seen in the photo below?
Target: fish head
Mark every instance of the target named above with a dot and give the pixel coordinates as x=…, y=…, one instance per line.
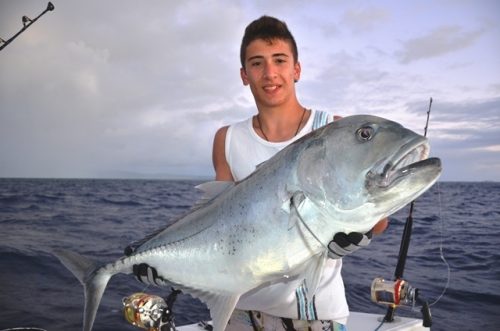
x=366, y=167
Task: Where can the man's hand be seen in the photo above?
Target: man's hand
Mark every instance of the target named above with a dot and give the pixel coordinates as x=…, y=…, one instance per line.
x=344, y=244
x=147, y=274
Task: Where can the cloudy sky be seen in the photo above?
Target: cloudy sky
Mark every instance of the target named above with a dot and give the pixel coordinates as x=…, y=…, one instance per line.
x=138, y=88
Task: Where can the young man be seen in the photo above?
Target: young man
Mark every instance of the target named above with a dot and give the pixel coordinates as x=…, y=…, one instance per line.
x=270, y=67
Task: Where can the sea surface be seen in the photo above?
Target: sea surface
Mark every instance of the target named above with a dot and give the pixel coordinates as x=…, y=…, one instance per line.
x=99, y=218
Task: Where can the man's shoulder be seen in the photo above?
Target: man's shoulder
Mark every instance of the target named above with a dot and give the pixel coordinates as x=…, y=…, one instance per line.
x=240, y=126
x=221, y=132
x=242, y=122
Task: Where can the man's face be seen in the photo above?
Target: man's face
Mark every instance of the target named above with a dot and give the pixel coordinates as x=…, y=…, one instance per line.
x=270, y=71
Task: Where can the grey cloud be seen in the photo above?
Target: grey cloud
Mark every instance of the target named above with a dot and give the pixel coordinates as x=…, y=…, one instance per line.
x=343, y=73
x=438, y=42
x=364, y=19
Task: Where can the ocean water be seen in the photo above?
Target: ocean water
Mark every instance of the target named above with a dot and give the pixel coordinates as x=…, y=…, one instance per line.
x=98, y=218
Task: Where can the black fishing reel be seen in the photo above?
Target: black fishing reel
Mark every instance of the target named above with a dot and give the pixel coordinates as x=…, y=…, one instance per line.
x=399, y=293
x=150, y=312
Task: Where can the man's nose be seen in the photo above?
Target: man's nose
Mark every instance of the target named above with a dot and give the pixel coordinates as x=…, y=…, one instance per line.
x=269, y=70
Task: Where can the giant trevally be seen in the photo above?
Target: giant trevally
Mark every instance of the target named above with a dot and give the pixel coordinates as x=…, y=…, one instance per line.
x=275, y=225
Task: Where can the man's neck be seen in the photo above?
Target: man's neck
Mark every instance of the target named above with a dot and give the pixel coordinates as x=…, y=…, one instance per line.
x=280, y=123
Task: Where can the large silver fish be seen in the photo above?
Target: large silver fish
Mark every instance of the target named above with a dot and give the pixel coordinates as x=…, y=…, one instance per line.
x=274, y=225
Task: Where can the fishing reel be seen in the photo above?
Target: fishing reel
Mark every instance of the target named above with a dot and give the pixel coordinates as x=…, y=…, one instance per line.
x=150, y=312
x=393, y=293
x=399, y=293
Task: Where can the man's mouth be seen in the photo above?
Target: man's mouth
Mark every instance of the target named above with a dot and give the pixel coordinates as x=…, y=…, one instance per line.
x=271, y=88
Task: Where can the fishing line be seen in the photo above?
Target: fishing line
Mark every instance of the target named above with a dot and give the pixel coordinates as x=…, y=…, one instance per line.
x=441, y=254
x=145, y=288
x=441, y=228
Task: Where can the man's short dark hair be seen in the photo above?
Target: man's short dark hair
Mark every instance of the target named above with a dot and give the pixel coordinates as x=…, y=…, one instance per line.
x=267, y=28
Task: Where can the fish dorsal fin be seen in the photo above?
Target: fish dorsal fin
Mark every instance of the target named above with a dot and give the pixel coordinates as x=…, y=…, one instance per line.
x=258, y=166
x=211, y=190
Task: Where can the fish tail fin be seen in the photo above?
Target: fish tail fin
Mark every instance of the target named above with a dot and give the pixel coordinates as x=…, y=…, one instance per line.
x=93, y=278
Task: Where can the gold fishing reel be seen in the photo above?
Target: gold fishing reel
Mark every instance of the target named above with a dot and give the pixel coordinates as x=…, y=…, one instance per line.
x=148, y=312
x=399, y=293
x=393, y=293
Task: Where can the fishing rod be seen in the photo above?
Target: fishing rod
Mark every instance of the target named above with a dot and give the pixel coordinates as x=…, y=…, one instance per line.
x=399, y=291
x=26, y=24
x=405, y=241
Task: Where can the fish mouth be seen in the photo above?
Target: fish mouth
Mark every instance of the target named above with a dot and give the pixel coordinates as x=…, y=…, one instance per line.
x=409, y=159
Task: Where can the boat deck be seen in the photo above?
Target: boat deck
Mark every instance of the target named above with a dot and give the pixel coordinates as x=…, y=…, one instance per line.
x=358, y=322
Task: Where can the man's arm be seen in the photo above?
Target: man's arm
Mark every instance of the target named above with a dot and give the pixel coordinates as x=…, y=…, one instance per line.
x=221, y=167
x=380, y=226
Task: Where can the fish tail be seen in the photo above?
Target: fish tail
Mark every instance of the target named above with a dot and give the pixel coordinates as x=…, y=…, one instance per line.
x=93, y=278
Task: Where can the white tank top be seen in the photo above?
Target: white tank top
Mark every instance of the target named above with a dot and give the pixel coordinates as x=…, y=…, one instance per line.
x=245, y=150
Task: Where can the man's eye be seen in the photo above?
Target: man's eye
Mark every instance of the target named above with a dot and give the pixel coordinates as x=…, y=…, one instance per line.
x=255, y=64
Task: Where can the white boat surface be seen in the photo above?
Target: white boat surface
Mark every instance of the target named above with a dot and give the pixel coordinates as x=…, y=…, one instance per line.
x=357, y=322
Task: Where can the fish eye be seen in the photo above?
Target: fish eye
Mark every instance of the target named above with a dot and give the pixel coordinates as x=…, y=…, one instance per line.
x=365, y=133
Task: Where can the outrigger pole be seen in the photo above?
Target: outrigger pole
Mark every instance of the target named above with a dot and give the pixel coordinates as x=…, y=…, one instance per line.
x=403, y=251
x=26, y=24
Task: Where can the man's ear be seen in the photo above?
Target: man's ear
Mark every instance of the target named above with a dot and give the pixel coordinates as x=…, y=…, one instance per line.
x=297, y=70
x=244, y=77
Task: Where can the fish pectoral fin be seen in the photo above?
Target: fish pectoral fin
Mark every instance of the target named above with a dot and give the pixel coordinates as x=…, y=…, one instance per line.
x=221, y=307
x=314, y=268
